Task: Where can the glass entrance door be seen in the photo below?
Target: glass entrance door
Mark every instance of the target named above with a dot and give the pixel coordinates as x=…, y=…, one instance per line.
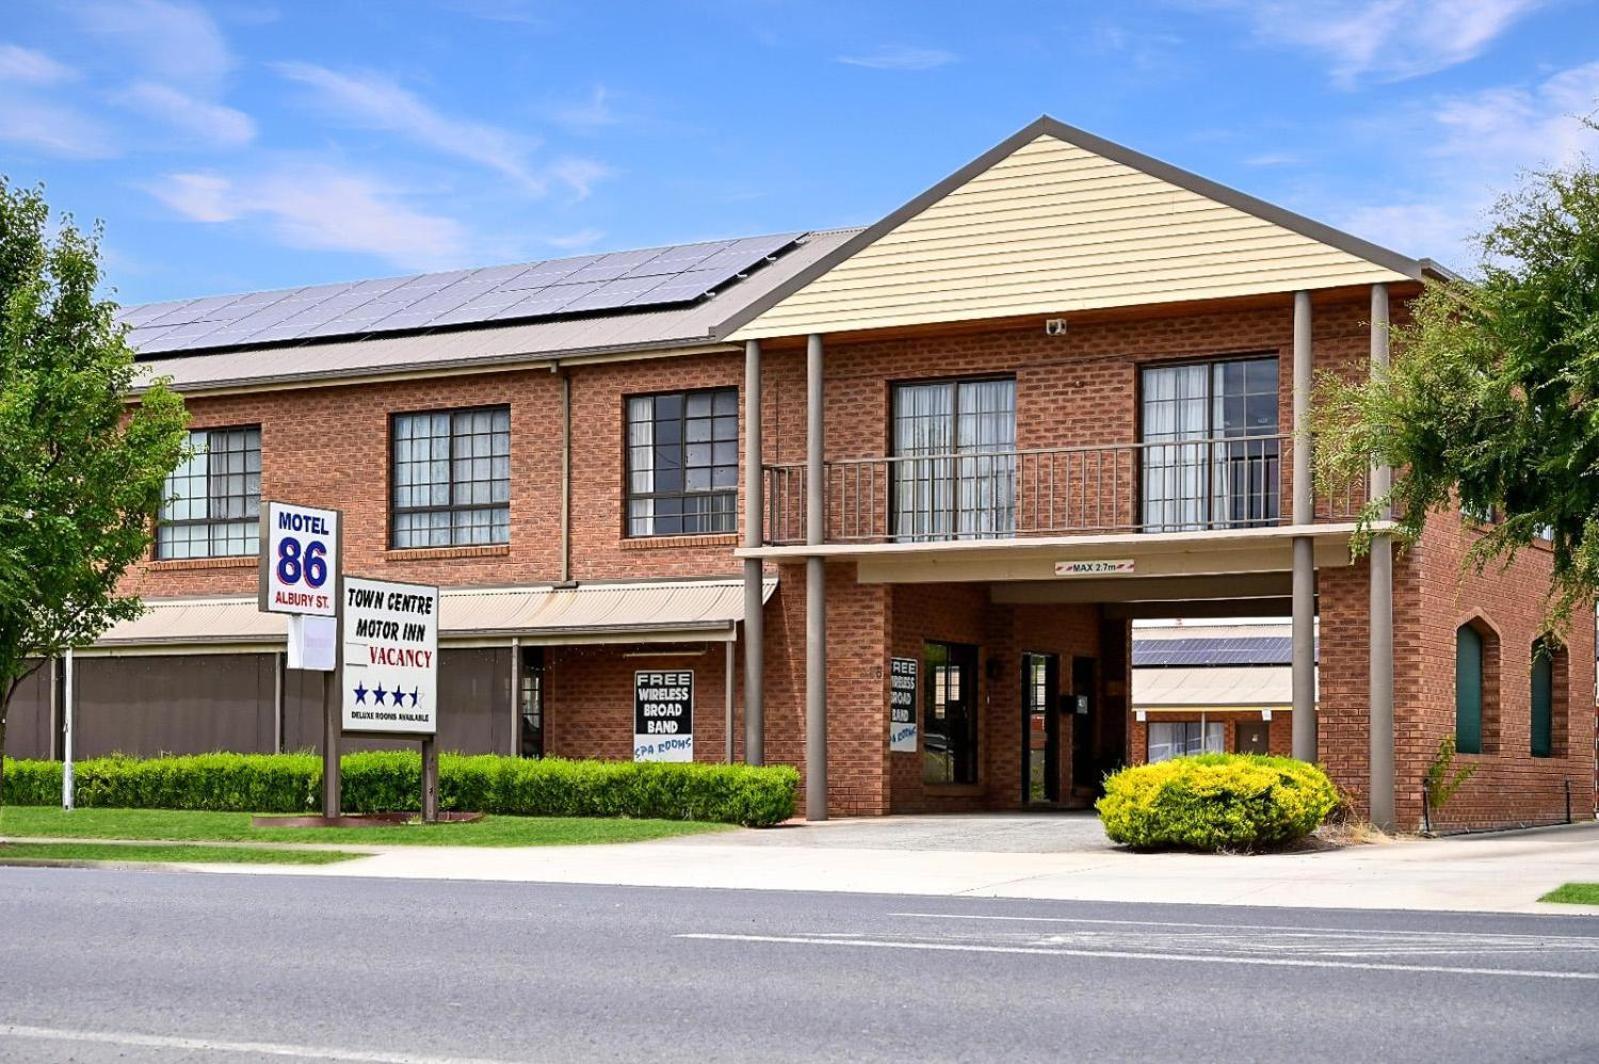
x=1040, y=728
x=530, y=703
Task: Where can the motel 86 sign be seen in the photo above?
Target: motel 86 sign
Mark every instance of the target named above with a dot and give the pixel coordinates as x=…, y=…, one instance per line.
x=299, y=573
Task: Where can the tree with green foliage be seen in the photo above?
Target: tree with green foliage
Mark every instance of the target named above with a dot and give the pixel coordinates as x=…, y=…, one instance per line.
x=1491, y=403
x=83, y=461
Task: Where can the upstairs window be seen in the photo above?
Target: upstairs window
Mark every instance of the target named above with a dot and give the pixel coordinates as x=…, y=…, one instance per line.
x=452, y=478
x=682, y=463
x=213, y=500
x=954, y=465
x=1211, y=456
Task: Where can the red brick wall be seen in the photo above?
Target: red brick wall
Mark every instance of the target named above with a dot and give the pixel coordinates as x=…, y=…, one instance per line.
x=329, y=446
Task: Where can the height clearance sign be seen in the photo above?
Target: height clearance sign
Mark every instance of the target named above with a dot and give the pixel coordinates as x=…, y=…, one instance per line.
x=391, y=657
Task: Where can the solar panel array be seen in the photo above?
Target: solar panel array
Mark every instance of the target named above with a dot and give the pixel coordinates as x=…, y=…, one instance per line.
x=1213, y=650
x=585, y=284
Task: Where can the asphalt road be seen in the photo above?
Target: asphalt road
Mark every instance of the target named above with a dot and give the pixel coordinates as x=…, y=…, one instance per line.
x=101, y=965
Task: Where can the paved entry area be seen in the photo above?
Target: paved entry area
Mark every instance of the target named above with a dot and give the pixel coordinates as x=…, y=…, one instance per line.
x=1065, y=832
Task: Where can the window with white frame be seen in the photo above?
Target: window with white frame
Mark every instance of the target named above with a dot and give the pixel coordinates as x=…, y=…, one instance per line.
x=213, y=499
x=682, y=463
x=1180, y=738
x=452, y=478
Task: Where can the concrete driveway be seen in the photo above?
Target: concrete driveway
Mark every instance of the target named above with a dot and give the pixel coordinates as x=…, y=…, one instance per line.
x=1063, y=832
x=1041, y=857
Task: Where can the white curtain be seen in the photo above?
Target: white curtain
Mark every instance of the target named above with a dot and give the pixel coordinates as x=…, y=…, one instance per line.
x=1176, y=462
x=641, y=465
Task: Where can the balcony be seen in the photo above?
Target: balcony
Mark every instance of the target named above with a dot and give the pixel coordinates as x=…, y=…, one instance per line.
x=1233, y=482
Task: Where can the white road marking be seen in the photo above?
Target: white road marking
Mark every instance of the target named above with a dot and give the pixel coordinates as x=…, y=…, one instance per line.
x=1200, y=958
x=1355, y=941
x=209, y=1045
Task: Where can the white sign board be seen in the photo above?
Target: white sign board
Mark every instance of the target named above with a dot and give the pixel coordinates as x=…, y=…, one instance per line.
x=663, y=715
x=391, y=657
x=313, y=643
x=1113, y=567
x=300, y=563
x=902, y=705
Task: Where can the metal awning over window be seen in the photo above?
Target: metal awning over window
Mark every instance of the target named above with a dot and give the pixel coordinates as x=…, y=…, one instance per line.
x=631, y=612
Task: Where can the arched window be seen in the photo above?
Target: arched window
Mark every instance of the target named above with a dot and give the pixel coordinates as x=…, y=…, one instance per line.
x=1468, y=690
x=1548, y=698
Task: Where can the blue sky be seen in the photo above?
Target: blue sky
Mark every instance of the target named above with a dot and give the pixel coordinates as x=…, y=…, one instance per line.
x=232, y=145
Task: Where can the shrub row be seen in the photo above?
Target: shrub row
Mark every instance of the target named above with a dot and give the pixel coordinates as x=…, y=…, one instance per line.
x=379, y=781
x=1216, y=802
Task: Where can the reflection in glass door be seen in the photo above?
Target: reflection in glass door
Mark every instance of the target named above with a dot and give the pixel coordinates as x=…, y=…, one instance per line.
x=530, y=703
x=1040, y=728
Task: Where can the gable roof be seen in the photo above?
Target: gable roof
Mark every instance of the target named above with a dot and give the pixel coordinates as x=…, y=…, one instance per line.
x=1056, y=219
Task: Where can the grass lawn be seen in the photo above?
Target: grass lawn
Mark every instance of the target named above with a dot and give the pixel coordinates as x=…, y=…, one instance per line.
x=180, y=826
x=107, y=851
x=1575, y=894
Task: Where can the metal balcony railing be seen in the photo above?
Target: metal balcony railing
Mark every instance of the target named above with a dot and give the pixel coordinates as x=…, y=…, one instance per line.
x=1154, y=486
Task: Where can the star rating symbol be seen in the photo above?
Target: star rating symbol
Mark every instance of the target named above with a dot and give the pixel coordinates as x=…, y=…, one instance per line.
x=415, y=691
x=378, y=693
x=360, y=693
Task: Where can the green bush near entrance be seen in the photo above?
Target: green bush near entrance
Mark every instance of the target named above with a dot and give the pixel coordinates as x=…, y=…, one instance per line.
x=1216, y=802
x=382, y=781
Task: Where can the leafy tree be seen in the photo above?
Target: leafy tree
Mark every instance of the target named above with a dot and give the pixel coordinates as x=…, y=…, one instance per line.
x=82, y=463
x=1492, y=400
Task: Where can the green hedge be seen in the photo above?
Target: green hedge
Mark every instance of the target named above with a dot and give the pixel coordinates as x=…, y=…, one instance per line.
x=391, y=780
x=1216, y=802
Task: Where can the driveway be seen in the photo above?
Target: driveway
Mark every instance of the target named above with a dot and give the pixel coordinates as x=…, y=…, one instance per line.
x=1039, y=857
x=1064, y=832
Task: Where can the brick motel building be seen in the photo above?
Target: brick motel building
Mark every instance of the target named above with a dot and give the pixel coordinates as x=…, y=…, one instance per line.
x=894, y=497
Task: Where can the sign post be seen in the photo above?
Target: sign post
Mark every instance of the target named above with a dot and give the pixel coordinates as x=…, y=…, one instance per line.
x=390, y=678
x=300, y=576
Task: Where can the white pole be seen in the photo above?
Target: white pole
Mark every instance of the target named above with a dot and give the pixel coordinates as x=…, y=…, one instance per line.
x=66, y=738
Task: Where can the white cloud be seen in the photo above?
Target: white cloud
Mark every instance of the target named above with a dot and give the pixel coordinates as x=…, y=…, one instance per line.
x=53, y=128
x=576, y=241
x=213, y=123
x=580, y=175
x=594, y=113
x=375, y=102
x=1384, y=40
x=901, y=57
x=26, y=66
x=1468, y=149
x=317, y=207
x=175, y=42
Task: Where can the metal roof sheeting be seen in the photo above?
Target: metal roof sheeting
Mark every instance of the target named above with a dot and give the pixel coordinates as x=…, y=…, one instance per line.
x=1228, y=687
x=642, y=330
x=653, y=611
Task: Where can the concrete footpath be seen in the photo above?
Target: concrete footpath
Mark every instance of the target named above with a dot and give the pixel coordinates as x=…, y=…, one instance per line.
x=1014, y=856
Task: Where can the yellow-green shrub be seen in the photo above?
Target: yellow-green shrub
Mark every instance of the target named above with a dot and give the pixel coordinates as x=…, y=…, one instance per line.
x=1216, y=802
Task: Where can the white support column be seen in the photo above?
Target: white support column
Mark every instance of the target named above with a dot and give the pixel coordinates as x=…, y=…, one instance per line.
x=1304, y=579
x=68, y=792
x=754, y=525
x=815, y=589
x=1381, y=621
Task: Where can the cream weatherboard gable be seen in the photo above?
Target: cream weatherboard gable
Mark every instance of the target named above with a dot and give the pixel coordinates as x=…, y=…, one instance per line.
x=1046, y=225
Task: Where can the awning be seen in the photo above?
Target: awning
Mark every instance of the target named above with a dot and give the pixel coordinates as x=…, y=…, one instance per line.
x=632, y=612
x=1245, y=687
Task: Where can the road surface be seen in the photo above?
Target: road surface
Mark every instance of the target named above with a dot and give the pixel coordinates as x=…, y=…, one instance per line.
x=103, y=965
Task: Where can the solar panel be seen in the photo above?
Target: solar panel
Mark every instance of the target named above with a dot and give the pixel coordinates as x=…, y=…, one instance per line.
x=582, y=284
x=1213, y=650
